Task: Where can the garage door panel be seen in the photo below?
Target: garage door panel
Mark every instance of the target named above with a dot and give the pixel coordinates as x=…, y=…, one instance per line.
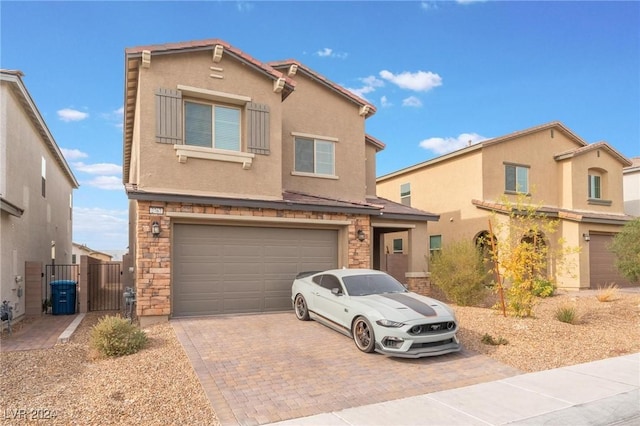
x=602, y=263
x=231, y=269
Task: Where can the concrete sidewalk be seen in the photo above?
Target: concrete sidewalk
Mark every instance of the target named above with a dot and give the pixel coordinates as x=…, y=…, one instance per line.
x=605, y=392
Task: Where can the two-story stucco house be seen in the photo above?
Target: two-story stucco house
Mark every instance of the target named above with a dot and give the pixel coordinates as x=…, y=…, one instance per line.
x=240, y=174
x=578, y=183
x=631, y=187
x=36, y=195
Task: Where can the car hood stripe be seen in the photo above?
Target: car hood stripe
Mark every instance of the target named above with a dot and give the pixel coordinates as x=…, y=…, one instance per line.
x=410, y=302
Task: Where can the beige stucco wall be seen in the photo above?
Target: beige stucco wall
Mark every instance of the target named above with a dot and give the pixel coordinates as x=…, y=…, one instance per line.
x=314, y=109
x=159, y=168
x=45, y=219
x=370, y=170
x=631, y=191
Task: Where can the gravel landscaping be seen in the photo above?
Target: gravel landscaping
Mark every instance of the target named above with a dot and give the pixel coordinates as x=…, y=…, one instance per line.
x=158, y=386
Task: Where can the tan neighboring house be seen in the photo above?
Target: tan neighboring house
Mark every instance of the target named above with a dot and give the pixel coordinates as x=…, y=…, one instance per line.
x=82, y=250
x=240, y=174
x=36, y=195
x=578, y=183
x=631, y=187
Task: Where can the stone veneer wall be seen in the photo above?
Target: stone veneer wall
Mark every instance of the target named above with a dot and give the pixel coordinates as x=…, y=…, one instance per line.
x=153, y=254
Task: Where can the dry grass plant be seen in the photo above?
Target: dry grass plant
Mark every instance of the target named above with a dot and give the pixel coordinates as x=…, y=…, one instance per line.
x=608, y=293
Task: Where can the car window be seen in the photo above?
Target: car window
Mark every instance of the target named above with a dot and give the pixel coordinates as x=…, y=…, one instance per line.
x=362, y=285
x=330, y=282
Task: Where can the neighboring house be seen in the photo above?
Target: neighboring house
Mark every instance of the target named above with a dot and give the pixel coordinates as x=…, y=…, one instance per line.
x=36, y=192
x=241, y=174
x=82, y=250
x=580, y=184
x=631, y=188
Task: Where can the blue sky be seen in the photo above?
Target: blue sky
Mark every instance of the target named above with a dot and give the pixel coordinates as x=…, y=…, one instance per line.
x=440, y=73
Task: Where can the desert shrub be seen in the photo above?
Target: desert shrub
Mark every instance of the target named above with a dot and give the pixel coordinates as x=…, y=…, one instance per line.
x=607, y=293
x=567, y=313
x=543, y=287
x=458, y=270
x=115, y=336
x=488, y=339
x=626, y=247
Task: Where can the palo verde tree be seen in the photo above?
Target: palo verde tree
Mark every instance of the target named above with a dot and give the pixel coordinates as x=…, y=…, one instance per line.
x=523, y=253
x=626, y=247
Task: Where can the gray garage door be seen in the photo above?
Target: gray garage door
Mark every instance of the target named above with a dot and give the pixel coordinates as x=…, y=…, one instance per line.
x=602, y=269
x=236, y=269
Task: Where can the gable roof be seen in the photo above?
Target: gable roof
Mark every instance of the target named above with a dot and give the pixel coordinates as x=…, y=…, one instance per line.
x=14, y=79
x=132, y=63
x=556, y=125
x=378, y=144
x=594, y=146
x=370, y=108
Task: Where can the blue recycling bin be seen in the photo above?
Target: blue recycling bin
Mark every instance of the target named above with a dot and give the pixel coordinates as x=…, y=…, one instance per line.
x=63, y=297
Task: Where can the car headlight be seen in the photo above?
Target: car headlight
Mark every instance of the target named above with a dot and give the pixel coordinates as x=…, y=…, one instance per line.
x=389, y=323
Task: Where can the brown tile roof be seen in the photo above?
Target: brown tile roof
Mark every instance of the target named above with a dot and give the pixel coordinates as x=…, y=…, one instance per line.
x=375, y=142
x=325, y=81
x=573, y=215
x=392, y=210
x=594, y=146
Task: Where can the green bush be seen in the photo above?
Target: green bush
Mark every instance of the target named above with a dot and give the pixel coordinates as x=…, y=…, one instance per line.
x=458, y=270
x=115, y=336
x=543, y=288
x=567, y=314
x=488, y=339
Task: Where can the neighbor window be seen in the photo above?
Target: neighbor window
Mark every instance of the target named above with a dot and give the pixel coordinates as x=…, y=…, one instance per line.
x=516, y=178
x=212, y=126
x=405, y=194
x=435, y=244
x=594, y=187
x=397, y=245
x=44, y=177
x=314, y=156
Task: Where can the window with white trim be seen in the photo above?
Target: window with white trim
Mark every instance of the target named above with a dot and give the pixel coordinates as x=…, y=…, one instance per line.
x=516, y=178
x=594, y=187
x=212, y=126
x=314, y=156
x=435, y=244
x=44, y=177
x=405, y=194
x=397, y=245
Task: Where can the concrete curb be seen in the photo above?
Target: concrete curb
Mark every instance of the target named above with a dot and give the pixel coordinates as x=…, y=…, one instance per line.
x=66, y=334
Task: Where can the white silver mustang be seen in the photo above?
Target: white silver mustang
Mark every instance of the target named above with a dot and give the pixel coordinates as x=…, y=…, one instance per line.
x=376, y=311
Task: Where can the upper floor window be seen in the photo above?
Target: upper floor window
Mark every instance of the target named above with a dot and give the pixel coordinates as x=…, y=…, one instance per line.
x=594, y=187
x=405, y=194
x=212, y=126
x=435, y=244
x=516, y=178
x=315, y=156
x=44, y=177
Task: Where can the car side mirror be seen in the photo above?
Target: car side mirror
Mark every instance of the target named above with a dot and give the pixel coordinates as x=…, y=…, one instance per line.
x=336, y=292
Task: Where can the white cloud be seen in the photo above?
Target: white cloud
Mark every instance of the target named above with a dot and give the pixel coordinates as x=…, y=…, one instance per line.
x=329, y=53
x=445, y=145
x=73, y=154
x=385, y=102
x=412, y=101
x=109, y=183
x=100, y=229
x=428, y=5
x=99, y=168
x=244, y=6
x=68, y=114
x=420, y=81
x=371, y=83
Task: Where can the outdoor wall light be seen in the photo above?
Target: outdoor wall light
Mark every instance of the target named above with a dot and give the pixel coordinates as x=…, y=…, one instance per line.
x=360, y=235
x=586, y=237
x=155, y=229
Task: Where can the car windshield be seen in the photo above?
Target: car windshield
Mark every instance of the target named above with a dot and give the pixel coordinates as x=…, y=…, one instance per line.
x=362, y=285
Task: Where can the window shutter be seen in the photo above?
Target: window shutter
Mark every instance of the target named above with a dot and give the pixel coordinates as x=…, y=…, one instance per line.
x=258, y=131
x=168, y=116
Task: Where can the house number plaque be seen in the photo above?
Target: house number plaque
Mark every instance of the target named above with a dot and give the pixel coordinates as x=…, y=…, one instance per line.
x=156, y=210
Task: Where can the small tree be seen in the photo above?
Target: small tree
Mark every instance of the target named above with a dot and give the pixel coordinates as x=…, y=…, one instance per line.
x=626, y=247
x=458, y=270
x=522, y=252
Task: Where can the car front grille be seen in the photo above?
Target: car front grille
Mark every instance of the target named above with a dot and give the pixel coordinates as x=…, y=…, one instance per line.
x=431, y=344
x=433, y=328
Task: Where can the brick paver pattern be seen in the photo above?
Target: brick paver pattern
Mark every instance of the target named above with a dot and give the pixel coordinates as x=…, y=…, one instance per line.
x=258, y=369
x=41, y=332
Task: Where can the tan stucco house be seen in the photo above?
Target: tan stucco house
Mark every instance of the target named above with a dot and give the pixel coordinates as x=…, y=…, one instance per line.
x=240, y=174
x=578, y=183
x=631, y=186
x=36, y=196
x=79, y=250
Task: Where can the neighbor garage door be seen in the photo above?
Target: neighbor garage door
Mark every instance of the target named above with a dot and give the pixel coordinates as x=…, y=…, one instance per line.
x=238, y=269
x=602, y=270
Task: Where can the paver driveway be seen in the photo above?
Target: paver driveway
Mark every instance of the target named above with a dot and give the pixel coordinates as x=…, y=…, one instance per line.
x=258, y=369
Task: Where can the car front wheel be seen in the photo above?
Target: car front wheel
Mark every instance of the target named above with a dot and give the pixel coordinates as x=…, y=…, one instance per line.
x=363, y=335
x=300, y=306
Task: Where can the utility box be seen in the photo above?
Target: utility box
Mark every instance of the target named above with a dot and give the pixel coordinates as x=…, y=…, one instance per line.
x=63, y=297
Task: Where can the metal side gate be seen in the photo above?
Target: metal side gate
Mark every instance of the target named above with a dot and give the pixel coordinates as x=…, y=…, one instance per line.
x=53, y=273
x=104, y=287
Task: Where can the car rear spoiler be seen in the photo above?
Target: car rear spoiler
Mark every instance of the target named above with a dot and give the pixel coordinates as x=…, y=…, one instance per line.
x=306, y=274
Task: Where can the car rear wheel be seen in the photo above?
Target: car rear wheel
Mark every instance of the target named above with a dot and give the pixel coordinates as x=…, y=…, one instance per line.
x=363, y=335
x=300, y=306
